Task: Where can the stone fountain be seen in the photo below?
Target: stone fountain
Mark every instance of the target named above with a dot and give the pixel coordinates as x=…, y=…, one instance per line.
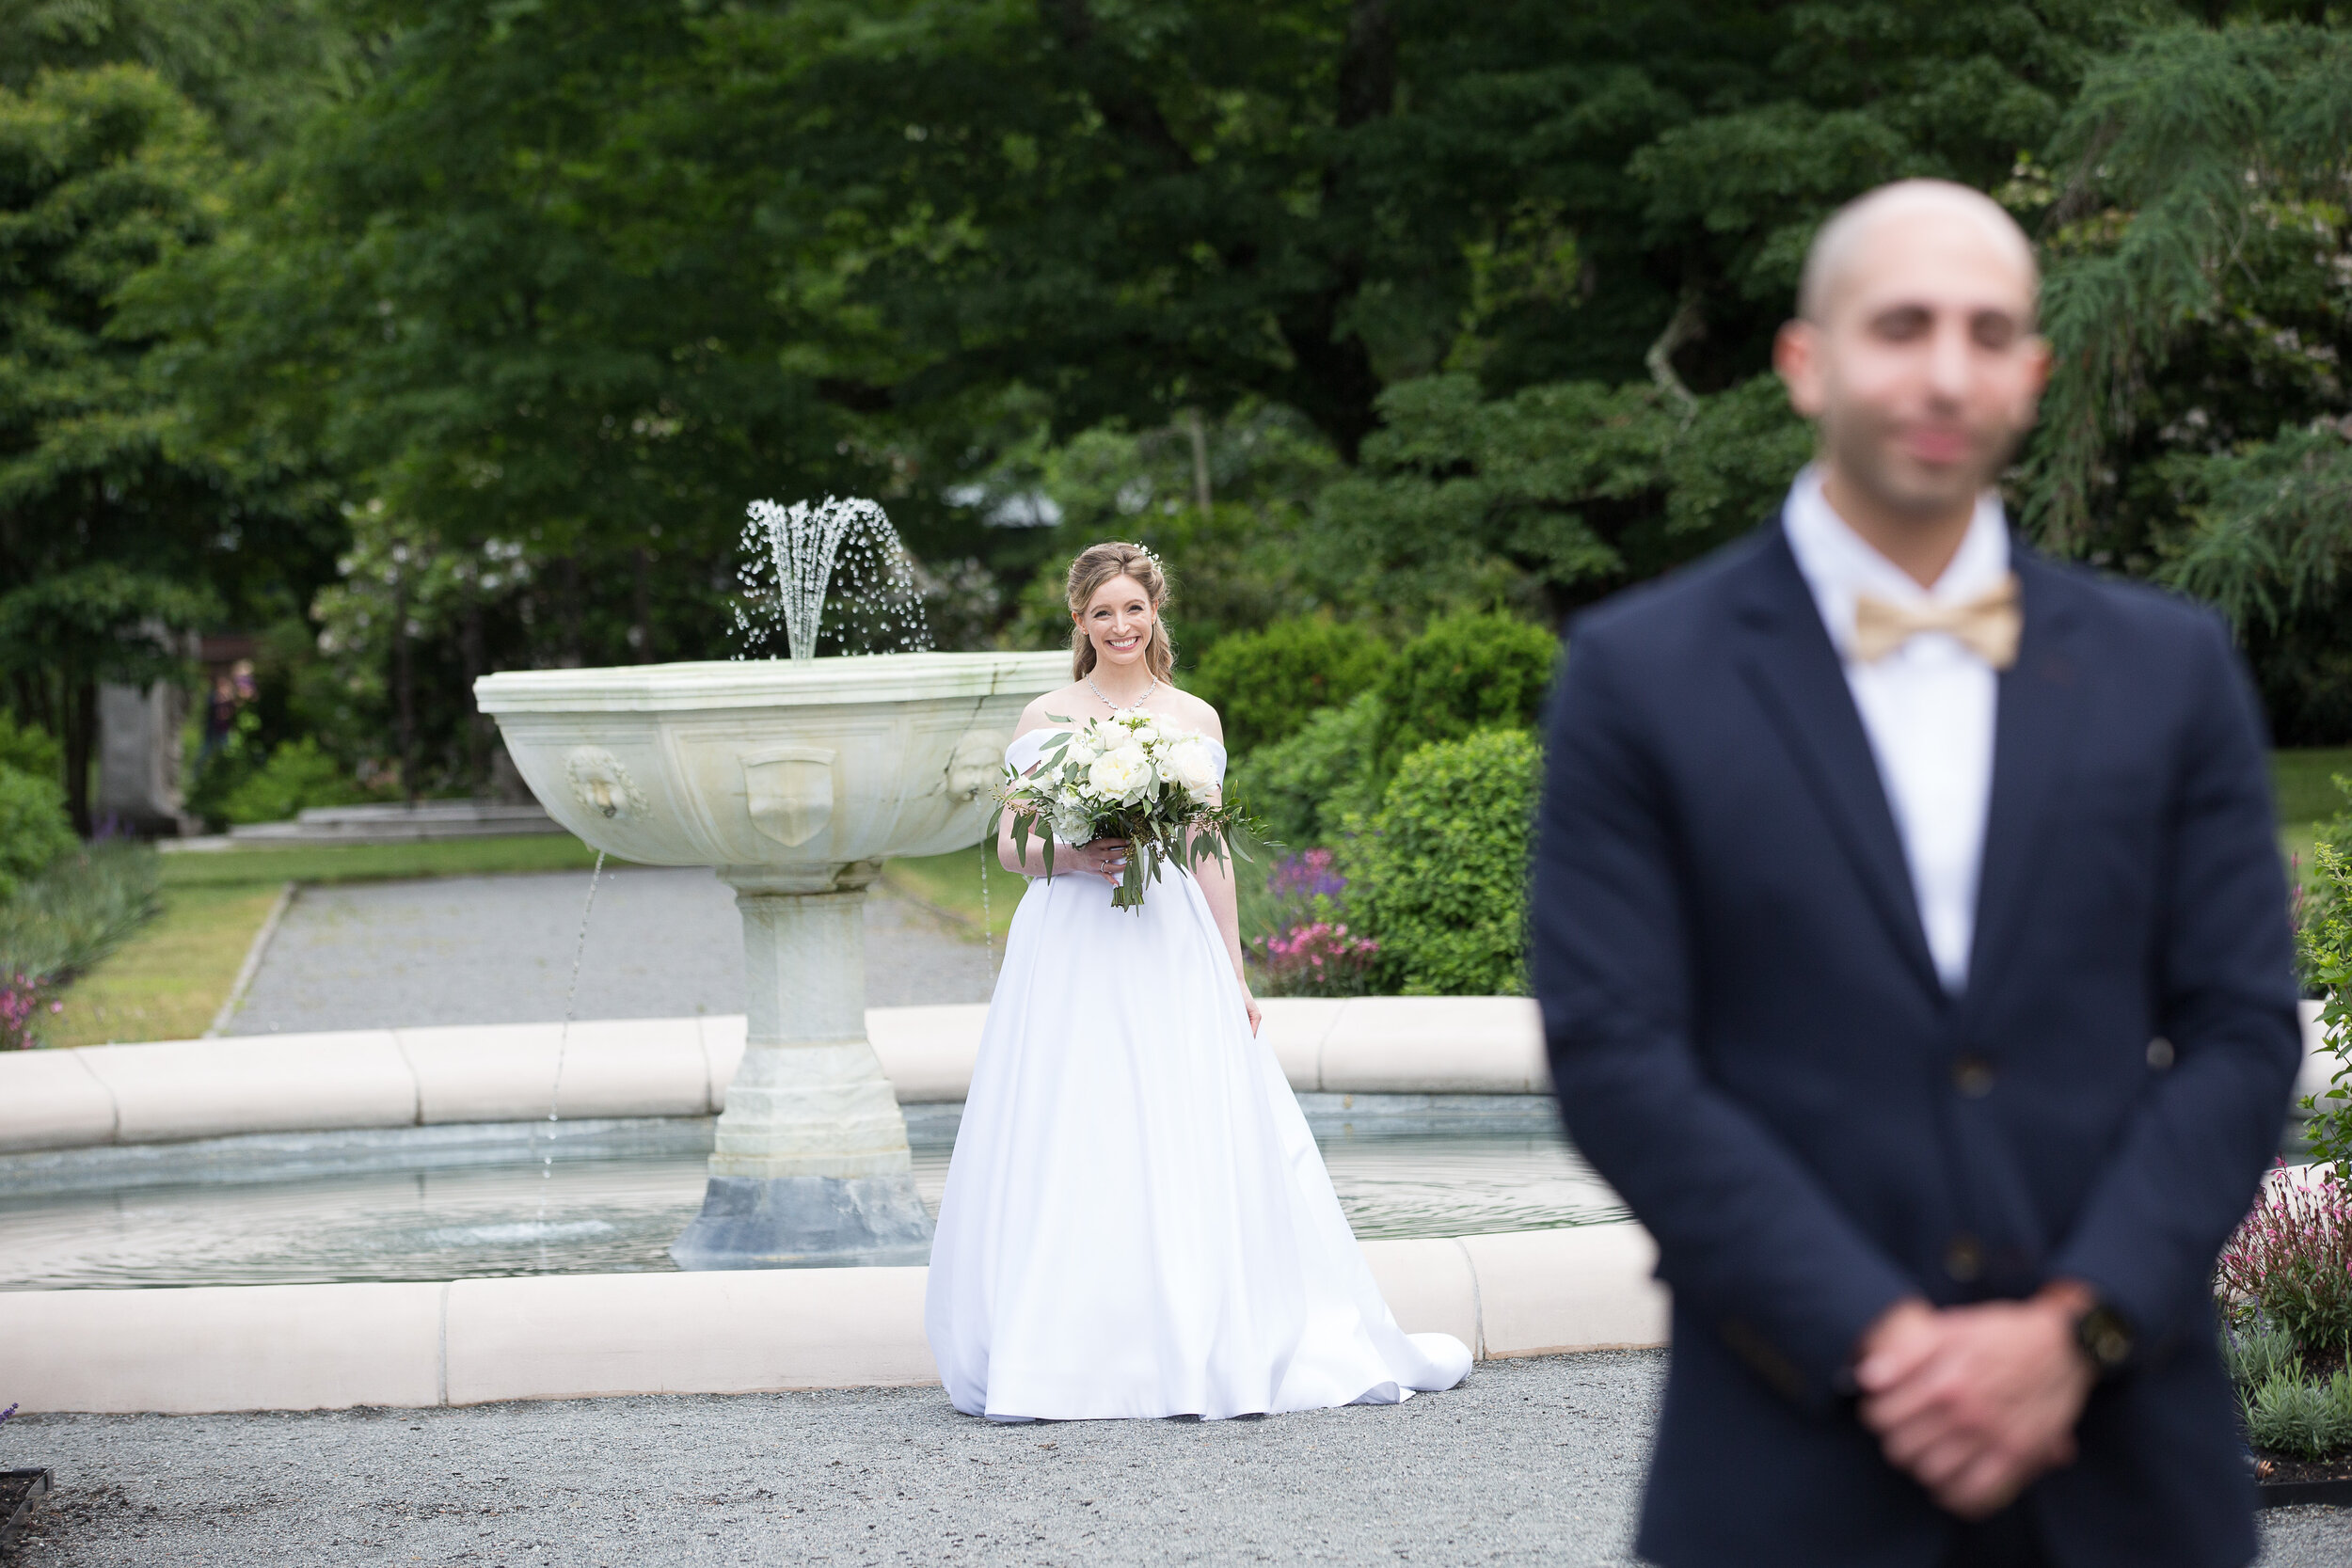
x=796, y=779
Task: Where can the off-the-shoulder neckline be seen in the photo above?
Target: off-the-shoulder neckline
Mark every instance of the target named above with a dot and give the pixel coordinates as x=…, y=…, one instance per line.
x=1057, y=729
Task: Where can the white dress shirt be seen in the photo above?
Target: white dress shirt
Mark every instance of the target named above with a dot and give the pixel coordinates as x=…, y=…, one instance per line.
x=1926, y=707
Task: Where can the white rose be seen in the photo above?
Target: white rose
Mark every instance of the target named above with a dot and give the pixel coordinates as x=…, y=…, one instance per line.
x=1079, y=753
x=1191, y=764
x=1123, y=775
x=1145, y=733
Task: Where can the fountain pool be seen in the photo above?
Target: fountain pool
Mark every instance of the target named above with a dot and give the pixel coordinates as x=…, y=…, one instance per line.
x=472, y=1202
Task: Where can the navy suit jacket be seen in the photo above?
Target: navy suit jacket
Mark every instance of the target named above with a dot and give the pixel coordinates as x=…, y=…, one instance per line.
x=1751, y=1043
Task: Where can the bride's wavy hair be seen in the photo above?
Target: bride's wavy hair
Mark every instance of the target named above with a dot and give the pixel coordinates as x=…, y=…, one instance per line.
x=1100, y=563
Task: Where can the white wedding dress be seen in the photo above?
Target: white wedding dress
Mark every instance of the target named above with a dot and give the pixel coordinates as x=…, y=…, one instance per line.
x=1138, y=1222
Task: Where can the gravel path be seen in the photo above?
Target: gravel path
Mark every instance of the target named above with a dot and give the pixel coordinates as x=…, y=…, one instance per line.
x=662, y=943
x=1534, y=1461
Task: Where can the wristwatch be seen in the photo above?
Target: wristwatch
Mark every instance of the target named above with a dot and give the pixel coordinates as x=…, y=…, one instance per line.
x=2102, y=1334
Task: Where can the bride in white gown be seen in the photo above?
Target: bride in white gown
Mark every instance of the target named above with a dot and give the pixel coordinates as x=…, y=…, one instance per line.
x=1138, y=1222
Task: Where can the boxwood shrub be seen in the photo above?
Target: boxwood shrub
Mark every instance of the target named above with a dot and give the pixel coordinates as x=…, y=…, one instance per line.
x=1267, y=685
x=1462, y=673
x=297, y=776
x=33, y=830
x=1303, y=787
x=1438, y=876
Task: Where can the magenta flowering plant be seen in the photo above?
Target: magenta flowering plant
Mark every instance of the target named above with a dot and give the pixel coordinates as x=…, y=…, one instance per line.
x=1313, y=950
x=21, y=1007
x=2290, y=1263
x=1318, y=959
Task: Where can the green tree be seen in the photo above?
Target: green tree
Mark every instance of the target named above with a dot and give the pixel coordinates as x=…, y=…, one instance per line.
x=492, y=293
x=257, y=67
x=106, y=513
x=2200, y=301
x=1223, y=503
x=1551, y=496
x=1132, y=209
x=65, y=632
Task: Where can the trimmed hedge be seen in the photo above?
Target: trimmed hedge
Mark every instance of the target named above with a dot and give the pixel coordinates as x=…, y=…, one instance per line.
x=1302, y=788
x=297, y=776
x=1267, y=685
x=33, y=830
x=29, y=749
x=1462, y=675
x=1439, y=875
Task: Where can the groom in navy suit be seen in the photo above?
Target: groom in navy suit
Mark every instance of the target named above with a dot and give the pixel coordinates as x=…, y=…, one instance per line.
x=1913, y=950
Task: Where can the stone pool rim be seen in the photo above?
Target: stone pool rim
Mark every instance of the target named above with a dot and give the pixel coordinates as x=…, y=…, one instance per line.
x=417, y=1345
x=180, y=1090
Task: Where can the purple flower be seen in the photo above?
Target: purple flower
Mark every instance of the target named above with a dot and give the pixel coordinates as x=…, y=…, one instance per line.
x=1306, y=875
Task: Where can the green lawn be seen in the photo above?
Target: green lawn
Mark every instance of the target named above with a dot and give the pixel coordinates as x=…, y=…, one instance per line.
x=2305, y=782
x=375, y=863
x=166, y=983
x=951, y=883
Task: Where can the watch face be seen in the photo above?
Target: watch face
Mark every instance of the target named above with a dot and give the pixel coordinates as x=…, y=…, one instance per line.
x=2103, y=1337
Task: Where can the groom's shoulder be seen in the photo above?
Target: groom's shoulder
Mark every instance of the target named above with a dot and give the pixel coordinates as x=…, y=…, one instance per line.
x=2132, y=619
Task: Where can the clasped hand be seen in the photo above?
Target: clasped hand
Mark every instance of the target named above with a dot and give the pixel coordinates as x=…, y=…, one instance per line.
x=1975, y=1402
x=1106, y=858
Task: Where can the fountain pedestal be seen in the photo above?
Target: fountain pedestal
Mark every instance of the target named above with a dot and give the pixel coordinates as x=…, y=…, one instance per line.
x=810, y=1167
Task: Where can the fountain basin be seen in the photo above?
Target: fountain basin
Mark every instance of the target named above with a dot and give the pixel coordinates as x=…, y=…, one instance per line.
x=782, y=771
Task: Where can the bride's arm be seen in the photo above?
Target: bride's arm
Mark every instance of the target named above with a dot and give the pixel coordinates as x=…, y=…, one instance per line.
x=1216, y=886
x=1216, y=875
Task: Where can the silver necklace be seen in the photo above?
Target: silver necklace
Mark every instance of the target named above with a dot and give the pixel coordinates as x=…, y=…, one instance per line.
x=1114, y=706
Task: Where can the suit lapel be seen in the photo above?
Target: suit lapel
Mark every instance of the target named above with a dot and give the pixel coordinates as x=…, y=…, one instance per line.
x=2035, y=729
x=1795, y=670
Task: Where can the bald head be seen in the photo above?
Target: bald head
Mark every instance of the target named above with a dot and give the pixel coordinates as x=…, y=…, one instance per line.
x=1865, y=235
x=1914, y=353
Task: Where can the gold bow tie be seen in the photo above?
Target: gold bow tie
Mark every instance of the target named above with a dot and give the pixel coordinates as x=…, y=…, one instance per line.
x=1989, y=623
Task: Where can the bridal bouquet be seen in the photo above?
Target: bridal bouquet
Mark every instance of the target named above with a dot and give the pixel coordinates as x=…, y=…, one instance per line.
x=1130, y=776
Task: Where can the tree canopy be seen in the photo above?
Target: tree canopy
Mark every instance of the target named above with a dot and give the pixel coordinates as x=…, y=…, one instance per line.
x=432, y=337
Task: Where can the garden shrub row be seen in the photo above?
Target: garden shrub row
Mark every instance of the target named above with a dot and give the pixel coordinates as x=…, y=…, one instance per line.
x=1439, y=875
x=1268, y=685
x=1423, y=779
x=33, y=830
x=2284, y=1285
x=62, y=905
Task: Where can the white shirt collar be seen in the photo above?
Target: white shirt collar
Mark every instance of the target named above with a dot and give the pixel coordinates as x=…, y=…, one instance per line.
x=1838, y=565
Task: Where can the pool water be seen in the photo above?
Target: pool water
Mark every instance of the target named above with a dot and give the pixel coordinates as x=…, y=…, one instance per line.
x=504, y=1211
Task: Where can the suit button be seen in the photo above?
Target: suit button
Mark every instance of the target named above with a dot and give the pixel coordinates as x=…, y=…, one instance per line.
x=2160, y=1054
x=1972, y=1075
x=1963, y=1258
